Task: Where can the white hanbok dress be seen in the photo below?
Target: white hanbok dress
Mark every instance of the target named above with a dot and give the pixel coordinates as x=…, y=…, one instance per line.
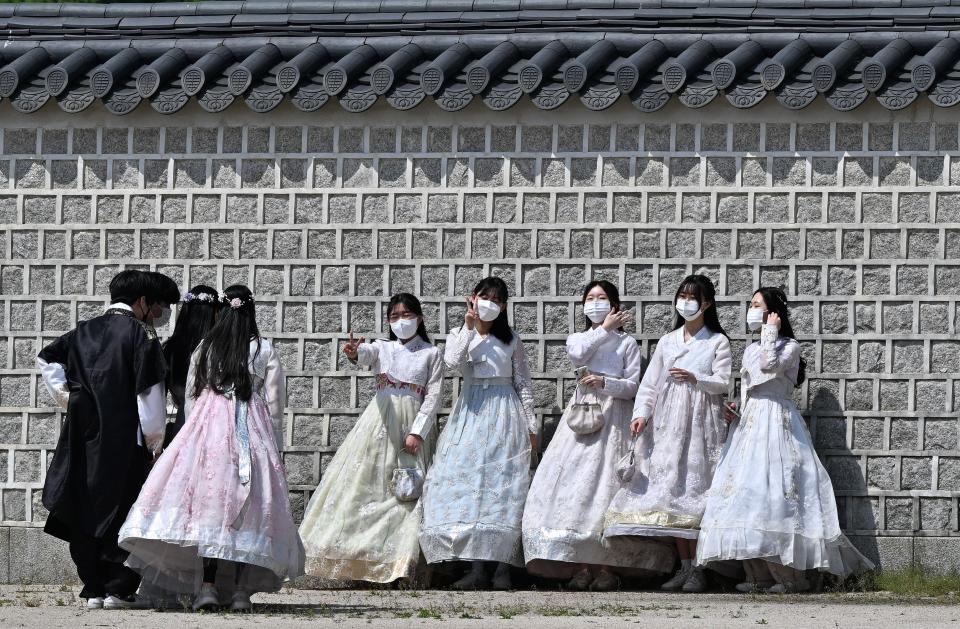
x=474, y=495
x=772, y=498
x=354, y=528
x=576, y=480
x=681, y=444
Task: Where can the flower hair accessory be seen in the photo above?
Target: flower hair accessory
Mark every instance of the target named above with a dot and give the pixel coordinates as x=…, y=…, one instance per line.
x=236, y=302
x=206, y=298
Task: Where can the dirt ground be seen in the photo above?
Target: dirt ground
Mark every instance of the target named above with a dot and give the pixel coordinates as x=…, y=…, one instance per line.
x=53, y=606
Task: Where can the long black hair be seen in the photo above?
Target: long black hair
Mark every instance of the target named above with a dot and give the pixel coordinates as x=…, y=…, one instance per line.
x=776, y=301
x=225, y=352
x=196, y=317
x=496, y=287
x=613, y=296
x=702, y=289
x=413, y=305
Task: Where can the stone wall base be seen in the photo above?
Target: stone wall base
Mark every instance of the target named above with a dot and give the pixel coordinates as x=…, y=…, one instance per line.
x=30, y=556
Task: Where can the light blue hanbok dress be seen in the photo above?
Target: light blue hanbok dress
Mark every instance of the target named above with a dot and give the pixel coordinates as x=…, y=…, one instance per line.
x=474, y=493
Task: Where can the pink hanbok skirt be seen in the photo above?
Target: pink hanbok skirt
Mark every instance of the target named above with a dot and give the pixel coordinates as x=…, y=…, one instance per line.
x=218, y=491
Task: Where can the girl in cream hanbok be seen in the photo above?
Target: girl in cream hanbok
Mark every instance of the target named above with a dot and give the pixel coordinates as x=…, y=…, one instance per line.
x=678, y=416
x=576, y=480
x=363, y=520
x=473, y=499
x=772, y=502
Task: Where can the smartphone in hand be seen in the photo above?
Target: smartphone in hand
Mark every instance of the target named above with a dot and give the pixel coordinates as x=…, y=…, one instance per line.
x=732, y=409
x=581, y=372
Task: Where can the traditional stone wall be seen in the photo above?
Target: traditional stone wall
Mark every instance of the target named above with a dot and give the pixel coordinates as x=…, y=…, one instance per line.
x=327, y=214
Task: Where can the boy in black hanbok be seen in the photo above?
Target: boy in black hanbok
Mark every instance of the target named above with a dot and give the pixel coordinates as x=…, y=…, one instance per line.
x=108, y=374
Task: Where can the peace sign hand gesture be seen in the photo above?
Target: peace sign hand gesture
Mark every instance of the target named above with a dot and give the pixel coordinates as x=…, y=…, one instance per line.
x=470, y=317
x=350, y=349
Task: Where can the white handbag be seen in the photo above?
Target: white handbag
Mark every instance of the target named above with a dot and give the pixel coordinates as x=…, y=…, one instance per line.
x=406, y=483
x=626, y=466
x=583, y=418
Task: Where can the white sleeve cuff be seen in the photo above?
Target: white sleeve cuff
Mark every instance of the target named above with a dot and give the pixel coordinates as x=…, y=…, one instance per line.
x=152, y=407
x=422, y=426
x=55, y=379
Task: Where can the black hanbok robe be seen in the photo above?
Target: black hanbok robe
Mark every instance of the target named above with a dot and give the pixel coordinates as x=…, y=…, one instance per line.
x=98, y=467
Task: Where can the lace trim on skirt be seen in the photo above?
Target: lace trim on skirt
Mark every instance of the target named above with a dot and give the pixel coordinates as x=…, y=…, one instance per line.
x=472, y=542
x=836, y=555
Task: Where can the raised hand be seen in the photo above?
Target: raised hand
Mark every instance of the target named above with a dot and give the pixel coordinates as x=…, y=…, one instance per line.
x=470, y=318
x=351, y=347
x=773, y=319
x=616, y=319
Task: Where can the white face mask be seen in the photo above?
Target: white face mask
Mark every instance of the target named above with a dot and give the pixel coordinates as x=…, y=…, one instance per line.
x=487, y=310
x=405, y=328
x=163, y=319
x=689, y=309
x=755, y=318
x=597, y=310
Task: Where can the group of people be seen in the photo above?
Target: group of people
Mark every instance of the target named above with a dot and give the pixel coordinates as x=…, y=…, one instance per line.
x=642, y=474
x=199, y=505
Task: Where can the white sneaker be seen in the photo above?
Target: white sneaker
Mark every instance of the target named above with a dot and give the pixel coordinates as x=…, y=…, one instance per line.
x=790, y=588
x=696, y=582
x=753, y=587
x=676, y=581
x=208, y=598
x=241, y=602
x=95, y=602
x=126, y=602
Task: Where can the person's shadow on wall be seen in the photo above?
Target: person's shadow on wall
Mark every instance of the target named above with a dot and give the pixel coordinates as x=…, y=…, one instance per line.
x=859, y=513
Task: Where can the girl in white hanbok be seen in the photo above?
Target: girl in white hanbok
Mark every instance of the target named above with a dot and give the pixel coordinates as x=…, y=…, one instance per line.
x=362, y=522
x=217, y=499
x=576, y=480
x=772, y=502
x=474, y=495
x=678, y=416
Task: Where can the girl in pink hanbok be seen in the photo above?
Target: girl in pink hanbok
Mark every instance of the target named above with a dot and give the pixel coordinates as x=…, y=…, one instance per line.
x=217, y=499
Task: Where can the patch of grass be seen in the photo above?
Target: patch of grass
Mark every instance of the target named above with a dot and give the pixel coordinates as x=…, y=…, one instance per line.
x=5, y=601
x=509, y=611
x=559, y=611
x=429, y=612
x=30, y=602
x=913, y=582
x=402, y=614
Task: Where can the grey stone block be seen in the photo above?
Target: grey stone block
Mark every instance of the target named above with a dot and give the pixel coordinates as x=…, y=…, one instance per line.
x=939, y=555
x=35, y=557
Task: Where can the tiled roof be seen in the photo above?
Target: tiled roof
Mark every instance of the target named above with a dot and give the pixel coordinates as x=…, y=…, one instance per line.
x=356, y=52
